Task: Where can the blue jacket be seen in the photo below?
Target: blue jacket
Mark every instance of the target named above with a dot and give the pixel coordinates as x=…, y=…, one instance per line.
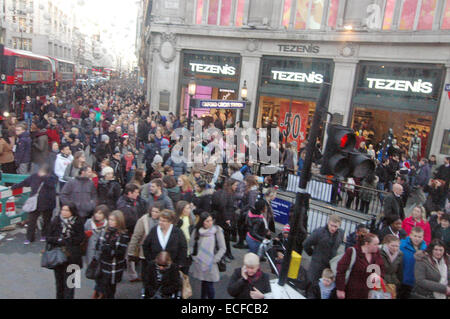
x=409, y=262
x=23, y=149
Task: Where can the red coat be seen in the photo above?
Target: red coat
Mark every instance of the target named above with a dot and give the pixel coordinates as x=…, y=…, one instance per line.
x=356, y=287
x=409, y=223
x=53, y=136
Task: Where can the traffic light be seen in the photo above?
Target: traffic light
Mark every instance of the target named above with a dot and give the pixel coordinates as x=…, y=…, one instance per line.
x=341, y=158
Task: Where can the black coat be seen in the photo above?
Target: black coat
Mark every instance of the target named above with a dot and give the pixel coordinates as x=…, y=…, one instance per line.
x=393, y=207
x=222, y=205
x=240, y=288
x=170, y=282
x=113, y=248
x=256, y=227
x=108, y=193
x=72, y=243
x=103, y=151
x=130, y=211
x=176, y=246
x=47, y=196
x=202, y=203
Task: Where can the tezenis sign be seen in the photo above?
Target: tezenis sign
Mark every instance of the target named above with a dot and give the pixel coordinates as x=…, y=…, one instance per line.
x=213, y=69
x=300, y=48
x=418, y=86
x=289, y=76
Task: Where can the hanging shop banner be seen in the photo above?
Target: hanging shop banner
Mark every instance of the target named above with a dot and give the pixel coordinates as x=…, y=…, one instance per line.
x=293, y=124
x=221, y=104
x=281, y=210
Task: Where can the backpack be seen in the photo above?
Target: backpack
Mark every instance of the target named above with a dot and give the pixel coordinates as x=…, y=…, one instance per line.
x=334, y=262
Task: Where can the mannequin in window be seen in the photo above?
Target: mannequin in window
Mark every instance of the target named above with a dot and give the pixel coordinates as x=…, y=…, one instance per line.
x=415, y=146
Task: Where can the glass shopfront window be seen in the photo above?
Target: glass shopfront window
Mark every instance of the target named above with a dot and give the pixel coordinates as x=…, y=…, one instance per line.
x=404, y=98
x=288, y=91
x=217, y=77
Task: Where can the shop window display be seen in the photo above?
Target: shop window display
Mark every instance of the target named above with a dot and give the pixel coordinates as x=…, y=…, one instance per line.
x=373, y=126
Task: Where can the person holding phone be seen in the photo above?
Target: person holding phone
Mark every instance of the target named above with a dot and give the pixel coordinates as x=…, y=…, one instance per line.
x=249, y=282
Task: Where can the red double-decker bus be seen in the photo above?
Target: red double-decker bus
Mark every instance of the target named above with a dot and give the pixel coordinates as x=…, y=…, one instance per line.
x=64, y=74
x=27, y=74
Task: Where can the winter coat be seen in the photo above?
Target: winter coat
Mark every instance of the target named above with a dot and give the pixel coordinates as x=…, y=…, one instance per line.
x=393, y=271
x=53, y=136
x=392, y=206
x=82, y=192
x=218, y=250
x=176, y=246
x=103, y=151
x=140, y=233
x=249, y=199
x=428, y=277
x=94, y=141
x=91, y=250
x=113, y=248
x=6, y=153
x=322, y=245
x=423, y=175
x=151, y=150
x=202, y=202
x=119, y=171
x=164, y=199
x=179, y=166
x=356, y=287
x=409, y=223
x=169, y=285
x=256, y=228
x=23, y=149
x=39, y=147
x=174, y=194
x=368, y=195
x=222, y=206
x=442, y=234
x=61, y=164
x=47, y=196
x=130, y=211
x=72, y=244
x=108, y=193
x=408, y=251
x=239, y=288
x=71, y=172
x=315, y=293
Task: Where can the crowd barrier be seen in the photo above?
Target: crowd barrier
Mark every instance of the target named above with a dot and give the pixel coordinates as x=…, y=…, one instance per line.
x=11, y=201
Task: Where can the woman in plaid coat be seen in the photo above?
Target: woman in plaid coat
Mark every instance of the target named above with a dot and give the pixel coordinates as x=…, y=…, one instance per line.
x=113, y=247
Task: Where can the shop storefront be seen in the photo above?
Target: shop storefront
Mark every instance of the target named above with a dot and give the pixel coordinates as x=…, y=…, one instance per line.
x=217, y=77
x=401, y=97
x=288, y=91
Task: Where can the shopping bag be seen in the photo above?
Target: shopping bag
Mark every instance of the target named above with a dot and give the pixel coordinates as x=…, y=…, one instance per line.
x=380, y=293
x=52, y=258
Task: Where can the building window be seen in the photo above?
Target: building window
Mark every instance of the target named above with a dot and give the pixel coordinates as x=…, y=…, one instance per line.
x=225, y=12
x=240, y=13
x=221, y=12
x=309, y=14
x=408, y=14
x=213, y=11
x=427, y=12
x=286, y=13
x=389, y=14
x=332, y=13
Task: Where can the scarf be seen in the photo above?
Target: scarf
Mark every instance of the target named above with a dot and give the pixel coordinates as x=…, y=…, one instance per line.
x=442, y=267
x=129, y=162
x=388, y=253
x=325, y=292
x=252, y=279
x=67, y=224
x=205, y=252
x=163, y=240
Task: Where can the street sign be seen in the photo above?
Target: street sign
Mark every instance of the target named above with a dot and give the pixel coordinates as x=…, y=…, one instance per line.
x=447, y=87
x=221, y=104
x=281, y=210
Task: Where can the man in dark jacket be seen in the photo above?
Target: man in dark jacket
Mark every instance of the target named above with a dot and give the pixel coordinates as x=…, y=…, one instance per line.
x=82, y=192
x=323, y=245
x=127, y=204
x=443, y=172
x=157, y=195
x=22, y=156
x=393, y=204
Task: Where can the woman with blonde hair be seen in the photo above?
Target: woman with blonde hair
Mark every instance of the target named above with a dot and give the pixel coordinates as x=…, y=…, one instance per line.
x=417, y=219
x=113, y=247
x=186, y=188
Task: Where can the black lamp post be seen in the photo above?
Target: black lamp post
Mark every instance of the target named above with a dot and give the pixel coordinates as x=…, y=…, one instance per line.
x=192, y=89
x=244, y=96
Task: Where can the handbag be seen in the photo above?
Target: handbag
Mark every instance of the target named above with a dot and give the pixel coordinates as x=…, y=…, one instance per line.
x=221, y=264
x=380, y=294
x=93, y=270
x=52, y=258
x=30, y=204
x=186, y=291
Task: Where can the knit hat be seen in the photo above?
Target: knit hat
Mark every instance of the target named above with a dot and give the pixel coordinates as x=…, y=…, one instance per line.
x=125, y=136
x=157, y=159
x=105, y=138
x=107, y=170
x=286, y=228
